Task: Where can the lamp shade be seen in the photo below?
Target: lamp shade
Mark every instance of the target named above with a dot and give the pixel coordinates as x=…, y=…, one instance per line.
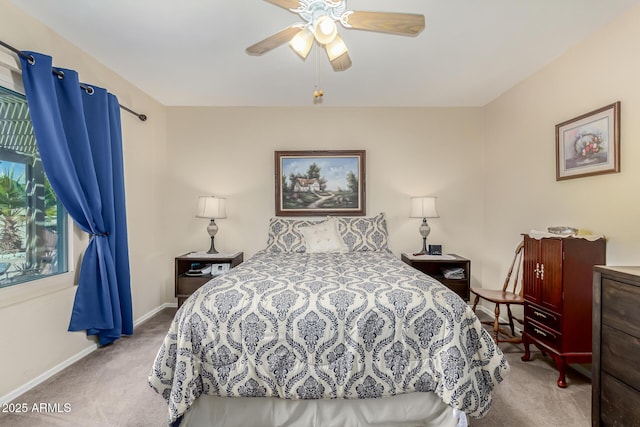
x=325, y=30
x=302, y=43
x=336, y=48
x=211, y=207
x=423, y=207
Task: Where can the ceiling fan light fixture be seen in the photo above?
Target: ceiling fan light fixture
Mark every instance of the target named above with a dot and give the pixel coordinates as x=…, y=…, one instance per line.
x=319, y=25
x=336, y=48
x=325, y=29
x=302, y=43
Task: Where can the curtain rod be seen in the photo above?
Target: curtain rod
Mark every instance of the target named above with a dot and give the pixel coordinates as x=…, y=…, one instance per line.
x=88, y=89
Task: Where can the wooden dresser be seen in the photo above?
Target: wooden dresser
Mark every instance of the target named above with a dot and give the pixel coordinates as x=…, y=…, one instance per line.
x=557, y=286
x=616, y=347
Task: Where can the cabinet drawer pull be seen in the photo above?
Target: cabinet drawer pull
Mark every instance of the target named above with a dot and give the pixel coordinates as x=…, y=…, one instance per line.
x=547, y=335
x=540, y=332
x=543, y=315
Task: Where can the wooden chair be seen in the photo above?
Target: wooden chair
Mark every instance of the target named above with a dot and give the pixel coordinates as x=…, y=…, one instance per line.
x=509, y=295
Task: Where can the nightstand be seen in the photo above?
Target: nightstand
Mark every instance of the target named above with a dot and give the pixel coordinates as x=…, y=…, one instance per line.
x=186, y=285
x=436, y=265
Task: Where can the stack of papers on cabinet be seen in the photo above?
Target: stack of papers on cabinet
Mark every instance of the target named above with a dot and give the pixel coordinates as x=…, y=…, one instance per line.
x=453, y=273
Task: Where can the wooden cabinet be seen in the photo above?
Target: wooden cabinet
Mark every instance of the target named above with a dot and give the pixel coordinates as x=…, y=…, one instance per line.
x=186, y=285
x=557, y=288
x=435, y=266
x=616, y=346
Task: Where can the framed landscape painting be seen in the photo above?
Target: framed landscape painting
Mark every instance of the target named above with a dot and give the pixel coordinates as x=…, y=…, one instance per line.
x=589, y=144
x=316, y=183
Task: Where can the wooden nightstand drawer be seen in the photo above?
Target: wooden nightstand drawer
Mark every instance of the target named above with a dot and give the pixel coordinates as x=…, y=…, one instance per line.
x=460, y=287
x=187, y=285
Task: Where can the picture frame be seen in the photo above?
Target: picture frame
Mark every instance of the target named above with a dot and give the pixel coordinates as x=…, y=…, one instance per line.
x=316, y=183
x=589, y=144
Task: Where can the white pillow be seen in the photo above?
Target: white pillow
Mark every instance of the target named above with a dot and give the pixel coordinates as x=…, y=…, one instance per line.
x=323, y=237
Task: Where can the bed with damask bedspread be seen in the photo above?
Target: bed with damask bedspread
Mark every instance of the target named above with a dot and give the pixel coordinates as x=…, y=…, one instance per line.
x=310, y=327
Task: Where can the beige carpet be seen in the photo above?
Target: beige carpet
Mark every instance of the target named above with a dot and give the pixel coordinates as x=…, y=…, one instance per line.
x=529, y=395
x=109, y=388
x=106, y=388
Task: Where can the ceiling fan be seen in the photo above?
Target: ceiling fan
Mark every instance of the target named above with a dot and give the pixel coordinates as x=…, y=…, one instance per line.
x=320, y=18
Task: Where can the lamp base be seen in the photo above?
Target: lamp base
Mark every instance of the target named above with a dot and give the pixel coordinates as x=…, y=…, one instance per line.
x=212, y=249
x=424, y=250
x=424, y=232
x=212, y=229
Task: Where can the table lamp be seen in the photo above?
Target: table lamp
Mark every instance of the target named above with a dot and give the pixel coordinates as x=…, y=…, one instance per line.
x=424, y=207
x=211, y=207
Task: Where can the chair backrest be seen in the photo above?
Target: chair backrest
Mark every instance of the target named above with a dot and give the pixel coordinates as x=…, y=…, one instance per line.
x=516, y=286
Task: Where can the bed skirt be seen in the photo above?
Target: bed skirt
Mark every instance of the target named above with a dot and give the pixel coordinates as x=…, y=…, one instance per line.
x=406, y=410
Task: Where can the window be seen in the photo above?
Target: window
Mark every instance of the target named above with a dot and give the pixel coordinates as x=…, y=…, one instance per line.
x=33, y=224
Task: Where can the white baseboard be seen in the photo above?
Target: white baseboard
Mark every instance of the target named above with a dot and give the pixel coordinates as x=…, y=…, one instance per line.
x=73, y=359
x=46, y=375
x=153, y=312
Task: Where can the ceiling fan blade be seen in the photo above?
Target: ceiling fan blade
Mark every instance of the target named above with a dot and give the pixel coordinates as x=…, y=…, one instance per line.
x=274, y=41
x=342, y=62
x=404, y=24
x=287, y=4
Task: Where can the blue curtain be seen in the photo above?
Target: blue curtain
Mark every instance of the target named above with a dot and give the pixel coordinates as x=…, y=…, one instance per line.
x=79, y=136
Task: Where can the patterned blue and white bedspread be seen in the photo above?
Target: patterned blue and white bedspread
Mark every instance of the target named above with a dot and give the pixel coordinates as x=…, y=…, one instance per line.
x=320, y=326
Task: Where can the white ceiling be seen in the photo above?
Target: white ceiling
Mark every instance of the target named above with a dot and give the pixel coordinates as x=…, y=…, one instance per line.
x=191, y=52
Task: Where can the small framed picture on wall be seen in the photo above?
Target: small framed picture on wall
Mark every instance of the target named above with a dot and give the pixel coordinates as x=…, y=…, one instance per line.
x=589, y=144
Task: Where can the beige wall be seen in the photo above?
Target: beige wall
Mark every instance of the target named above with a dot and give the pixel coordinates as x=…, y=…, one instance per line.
x=521, y=192
x=410, y=152
x=34, y=319
x=493, y=169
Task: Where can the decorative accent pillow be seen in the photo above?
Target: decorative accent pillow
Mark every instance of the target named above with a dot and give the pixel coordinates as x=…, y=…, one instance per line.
x=323, y=237
x=364, y=233
x=285, y=235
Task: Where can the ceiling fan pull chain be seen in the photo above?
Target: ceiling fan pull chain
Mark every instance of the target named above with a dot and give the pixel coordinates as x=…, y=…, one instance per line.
x=317, y=93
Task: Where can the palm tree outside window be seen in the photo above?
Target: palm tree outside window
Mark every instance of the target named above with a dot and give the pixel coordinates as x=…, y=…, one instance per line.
x=33, y=224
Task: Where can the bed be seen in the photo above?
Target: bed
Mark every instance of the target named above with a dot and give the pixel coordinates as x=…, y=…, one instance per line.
x=324, y=327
